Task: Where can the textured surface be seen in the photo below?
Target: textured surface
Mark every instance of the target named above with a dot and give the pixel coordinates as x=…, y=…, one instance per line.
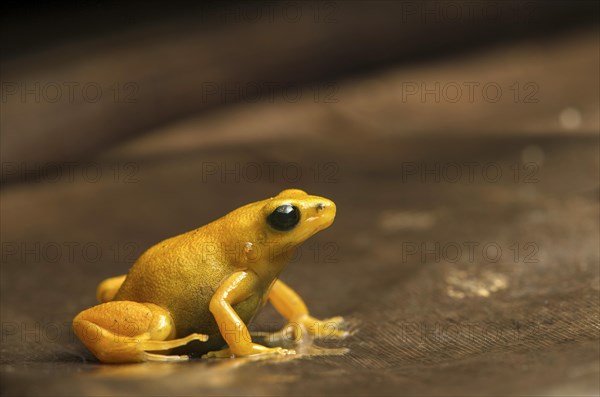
x=464, y=254
x=423, y=324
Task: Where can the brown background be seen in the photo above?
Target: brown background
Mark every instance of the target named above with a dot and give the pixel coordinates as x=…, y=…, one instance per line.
x=119, y=175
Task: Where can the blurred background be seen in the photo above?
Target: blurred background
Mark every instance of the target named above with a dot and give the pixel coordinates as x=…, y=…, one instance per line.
x=459, y=140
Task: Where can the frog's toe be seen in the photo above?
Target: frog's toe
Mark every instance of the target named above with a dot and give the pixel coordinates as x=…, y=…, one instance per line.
x=165, y=358
x=335, y=328
x=198, y=337
x=335, y=334
x=225, y=353
x=256, y=350
x=337, y=321
x=331, y=328
x=280, y=350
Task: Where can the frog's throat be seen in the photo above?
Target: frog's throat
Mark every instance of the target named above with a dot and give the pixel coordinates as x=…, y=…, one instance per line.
x=269, y=270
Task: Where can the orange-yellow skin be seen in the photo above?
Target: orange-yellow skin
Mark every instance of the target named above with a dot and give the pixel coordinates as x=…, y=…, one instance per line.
x=206, y=285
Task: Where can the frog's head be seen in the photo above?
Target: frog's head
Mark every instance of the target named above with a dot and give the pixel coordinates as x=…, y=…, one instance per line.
x=279, y=224
x=293, y=216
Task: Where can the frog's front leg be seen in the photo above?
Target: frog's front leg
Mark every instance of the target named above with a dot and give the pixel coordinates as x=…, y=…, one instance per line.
x=125, y=332
x=289, y=304
x=236, y=288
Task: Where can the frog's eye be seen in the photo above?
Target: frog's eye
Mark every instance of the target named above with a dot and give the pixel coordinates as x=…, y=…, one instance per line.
x=284, y=218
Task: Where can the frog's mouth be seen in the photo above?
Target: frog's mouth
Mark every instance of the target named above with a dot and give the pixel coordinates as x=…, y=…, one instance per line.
x=319, y=216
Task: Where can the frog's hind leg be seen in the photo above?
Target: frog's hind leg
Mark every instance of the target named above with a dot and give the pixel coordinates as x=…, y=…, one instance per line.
x=108, y=288
x=125, y=331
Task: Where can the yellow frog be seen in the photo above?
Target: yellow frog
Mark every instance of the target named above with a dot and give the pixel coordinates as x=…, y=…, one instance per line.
x=207, y=285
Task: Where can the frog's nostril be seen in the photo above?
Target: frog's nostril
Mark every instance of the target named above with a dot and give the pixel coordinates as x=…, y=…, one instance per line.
x=320, y=207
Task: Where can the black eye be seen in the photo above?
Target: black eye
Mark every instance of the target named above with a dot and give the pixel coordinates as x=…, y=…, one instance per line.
x=284, y=218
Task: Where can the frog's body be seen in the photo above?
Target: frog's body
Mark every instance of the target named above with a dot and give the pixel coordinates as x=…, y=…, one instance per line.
x=185, y=287
x=208, y=284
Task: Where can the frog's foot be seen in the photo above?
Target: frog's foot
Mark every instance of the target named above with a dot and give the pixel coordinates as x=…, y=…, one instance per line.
x=301, y=325
x=299, y=332
x=108, y=288
x=331, y=328
x=251, y=349
x=124, y=331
